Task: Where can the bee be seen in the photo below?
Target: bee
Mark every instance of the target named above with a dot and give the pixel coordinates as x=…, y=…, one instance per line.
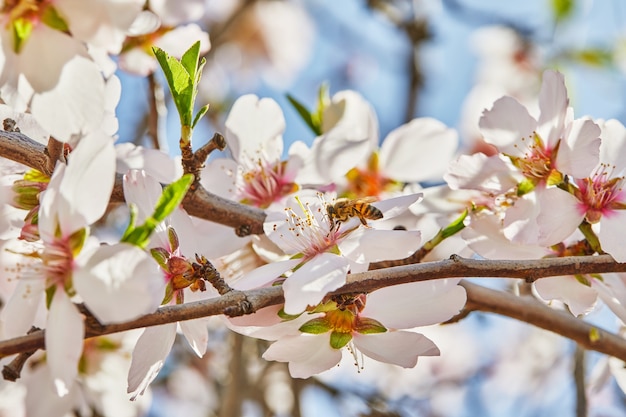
x=344, y=209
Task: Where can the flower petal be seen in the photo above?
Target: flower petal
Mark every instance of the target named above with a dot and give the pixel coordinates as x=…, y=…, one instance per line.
x=581, y=153
x=398, y=348
x=313, y=280
x=307, y=354
x=553, y=103
x=254, y=127
x=418, y=151
x=579, y=297
x=119, y=283
x=415, y=304
x=197, y=334
x=373, y=245
x=611, y=234
x=559, y=215
x=64, y=336
x=265, y=274
x=506, y=124
x=149, y=355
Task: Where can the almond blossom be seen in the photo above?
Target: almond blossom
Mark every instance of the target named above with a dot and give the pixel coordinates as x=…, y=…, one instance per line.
x=70, y=265
x=177, y=274
x=322, y=254
x=366, y=324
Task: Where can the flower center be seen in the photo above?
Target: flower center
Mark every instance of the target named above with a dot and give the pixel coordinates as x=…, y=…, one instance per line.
x=57, y=258
x=266, y=183
x=601, y=193
x=537, y=162
x=369, y=181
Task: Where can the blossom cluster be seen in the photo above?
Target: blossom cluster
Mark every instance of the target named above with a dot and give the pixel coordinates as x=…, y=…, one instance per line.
x=550, y=186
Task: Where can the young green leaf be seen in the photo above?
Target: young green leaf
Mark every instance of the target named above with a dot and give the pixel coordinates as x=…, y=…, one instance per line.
x=180, y=82
x=305, y=114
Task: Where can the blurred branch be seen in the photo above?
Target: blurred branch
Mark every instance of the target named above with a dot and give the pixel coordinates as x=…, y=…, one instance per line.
x=579, y=381
x=157, y=110
x=526, y=309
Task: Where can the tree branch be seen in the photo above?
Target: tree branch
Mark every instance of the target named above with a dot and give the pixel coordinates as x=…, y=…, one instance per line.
x=522, y=308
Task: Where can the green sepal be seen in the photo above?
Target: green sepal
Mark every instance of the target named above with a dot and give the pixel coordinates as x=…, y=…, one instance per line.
x=306, y=115
x=51, y=18
x=297, y=256
x=524, y=187
x=169, y=293
x=172, y=238
x=318, y=325
x=161, y=256
x=365, y=325
x=339, y=339
x=77, y=240
x=287, y=317
x=555, y=178
x=22, y=29
x=323, y=101
x=180, y=297
x=199, y=115
x=50, y=294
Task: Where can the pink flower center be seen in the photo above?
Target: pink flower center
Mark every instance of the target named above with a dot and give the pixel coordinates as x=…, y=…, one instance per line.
x=58, y=261
x=266, y=183
x=600, y=194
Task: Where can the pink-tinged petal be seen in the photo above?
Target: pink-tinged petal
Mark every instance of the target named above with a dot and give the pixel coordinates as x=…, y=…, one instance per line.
x=480, y=172
x=608, y=296
x=265, y=274
x=313, y=280
x=373, y=245
x=611, y=234
x=254, y=129
x=579, y=297
x=397, y=348
x=87, y=183
x=418, y=151
x=506, y=124
x=65, y=331
x=149, y=356
x=143, y=191
x=553, y=104
x=307, y=354
x=581, y=153
x=197, y=334
x=395, y=206
x=416, y=304
x=119, y=283
x=559, y=216
x=75, y=104
x=42, y=399
x=19, y=312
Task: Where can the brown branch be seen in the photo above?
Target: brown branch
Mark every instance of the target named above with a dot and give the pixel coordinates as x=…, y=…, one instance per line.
x=531, y=311
x=200, y=203
x=156, y=109
x=482, y=299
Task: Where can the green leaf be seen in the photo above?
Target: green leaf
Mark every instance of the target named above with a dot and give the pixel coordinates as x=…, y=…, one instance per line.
x=562, y=9
x=161, y=256
x=199, y=115
x=131, y=224
x=305, y=115
x=189, y=60
x=316, y=326
x=180, y=82
x=339, y=339
x=323, y=101
x=172, y=197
